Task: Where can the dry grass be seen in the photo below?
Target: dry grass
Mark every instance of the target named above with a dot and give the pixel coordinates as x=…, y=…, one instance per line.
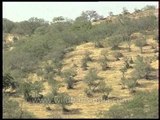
x=89, y=107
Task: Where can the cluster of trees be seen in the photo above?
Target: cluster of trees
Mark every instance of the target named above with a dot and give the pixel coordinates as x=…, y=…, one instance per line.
x=49, y=42
x=127, y=27
x=25, y=27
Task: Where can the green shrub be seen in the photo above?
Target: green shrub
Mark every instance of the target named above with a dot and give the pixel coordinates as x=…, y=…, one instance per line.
x=105, y=89
x=115, y=41
x=103, y=63
x=31, y=91
x=12, y=109
x=142, y=68
x=92, y=80
x=86, y=59
x=131, y=84
x=91, y=77
x=143, y=105
x=51, y=97
x=116, y=112
x=68, y=76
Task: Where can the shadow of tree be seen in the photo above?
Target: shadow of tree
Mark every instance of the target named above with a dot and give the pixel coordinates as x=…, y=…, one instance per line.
x=73, y=111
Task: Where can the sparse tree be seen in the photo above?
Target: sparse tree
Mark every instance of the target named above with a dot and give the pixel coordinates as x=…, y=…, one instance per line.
x=103, y=63
x=68, y=76
x=91, y=15
x=85, y=60
x=92, y=79
x=126, y=38
x=140, y=43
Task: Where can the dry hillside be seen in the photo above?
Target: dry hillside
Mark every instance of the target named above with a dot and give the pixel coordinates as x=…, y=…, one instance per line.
x=90, y=107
